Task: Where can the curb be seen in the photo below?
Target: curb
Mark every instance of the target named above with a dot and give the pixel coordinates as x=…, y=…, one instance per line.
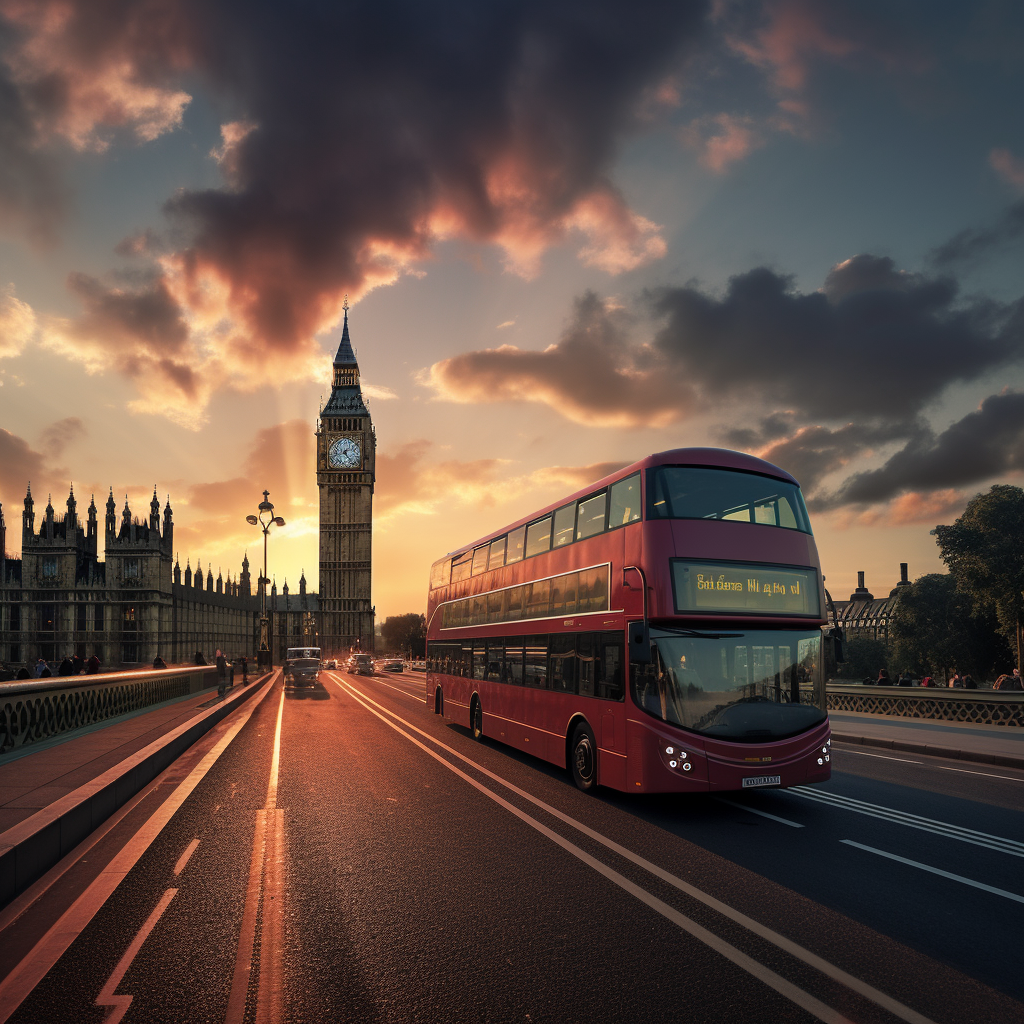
x=29, y=849
x=907, y=747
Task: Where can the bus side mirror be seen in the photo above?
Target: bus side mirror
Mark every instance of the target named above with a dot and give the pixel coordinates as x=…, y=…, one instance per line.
x=639, y=642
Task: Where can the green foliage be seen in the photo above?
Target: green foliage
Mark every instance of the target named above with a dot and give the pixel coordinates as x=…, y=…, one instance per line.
x=984, y=550
x=864, y=657
x=405, y=634
x=936, y=628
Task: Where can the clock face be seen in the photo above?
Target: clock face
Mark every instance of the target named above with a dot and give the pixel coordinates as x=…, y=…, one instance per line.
x=344, y=454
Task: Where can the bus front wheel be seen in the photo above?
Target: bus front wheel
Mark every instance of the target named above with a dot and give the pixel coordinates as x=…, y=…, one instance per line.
x=583, y=758
x=476, y=719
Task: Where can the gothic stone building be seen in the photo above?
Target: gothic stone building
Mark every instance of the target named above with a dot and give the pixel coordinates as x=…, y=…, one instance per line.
x=345, y=472
x=59, y=599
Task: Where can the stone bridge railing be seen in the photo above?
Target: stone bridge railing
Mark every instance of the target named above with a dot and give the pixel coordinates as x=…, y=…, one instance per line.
x=974, y=707
x=32, y=710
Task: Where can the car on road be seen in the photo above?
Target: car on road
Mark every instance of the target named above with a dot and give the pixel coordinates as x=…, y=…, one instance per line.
x=392, y=665
x=332, y=663
x=361, y=664
x=302, y=666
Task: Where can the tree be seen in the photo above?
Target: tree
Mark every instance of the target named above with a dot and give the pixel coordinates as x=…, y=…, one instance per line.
x=864, y=657
x=935, y=627
x=405, y=634
x=984, y=550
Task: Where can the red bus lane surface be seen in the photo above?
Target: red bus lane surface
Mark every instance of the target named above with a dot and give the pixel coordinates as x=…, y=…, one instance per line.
x=658, y=631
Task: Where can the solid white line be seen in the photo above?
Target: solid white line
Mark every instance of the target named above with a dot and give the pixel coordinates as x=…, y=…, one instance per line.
x=939, y=828
x=937, y=871
x=884, y=757
x=184, y=858
x=15, y=988
x=968, y=771
x=755, y=810
x=794, y=949
x=106, y=996
x=275, y=762
x=742, y=960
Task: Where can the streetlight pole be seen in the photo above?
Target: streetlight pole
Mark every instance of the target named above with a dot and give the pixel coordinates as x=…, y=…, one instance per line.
x=266, y=519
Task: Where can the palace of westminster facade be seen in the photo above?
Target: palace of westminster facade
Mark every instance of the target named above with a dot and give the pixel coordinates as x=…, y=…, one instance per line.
x=59, y=599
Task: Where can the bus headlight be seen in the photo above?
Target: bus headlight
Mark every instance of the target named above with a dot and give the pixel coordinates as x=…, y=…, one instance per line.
x=687, y=766
x=820, y=761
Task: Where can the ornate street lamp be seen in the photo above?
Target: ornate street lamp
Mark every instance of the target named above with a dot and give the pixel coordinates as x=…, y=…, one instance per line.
x=266, y=519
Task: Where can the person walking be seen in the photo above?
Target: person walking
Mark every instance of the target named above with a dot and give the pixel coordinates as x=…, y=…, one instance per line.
x=245, y=669
x=222, y=674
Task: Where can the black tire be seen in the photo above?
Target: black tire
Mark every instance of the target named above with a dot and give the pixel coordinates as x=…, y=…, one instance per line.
x=476, y=720
x=583, y=758
x=439, y=703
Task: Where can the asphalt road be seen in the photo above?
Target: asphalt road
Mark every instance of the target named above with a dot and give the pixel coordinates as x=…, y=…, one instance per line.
x=347, y=856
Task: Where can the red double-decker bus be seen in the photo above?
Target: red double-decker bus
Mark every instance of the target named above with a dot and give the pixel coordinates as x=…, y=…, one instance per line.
x=660, y=630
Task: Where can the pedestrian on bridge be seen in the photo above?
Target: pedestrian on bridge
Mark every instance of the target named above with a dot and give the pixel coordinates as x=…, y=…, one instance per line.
x=222, y=674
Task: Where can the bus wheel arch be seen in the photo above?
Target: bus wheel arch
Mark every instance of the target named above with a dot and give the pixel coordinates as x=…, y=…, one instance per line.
x=581, y=754
x=476, y=718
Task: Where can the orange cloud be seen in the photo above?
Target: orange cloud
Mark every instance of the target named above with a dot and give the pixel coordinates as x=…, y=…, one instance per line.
x=17, y=323
x=722, y=140
x=617, y=389
x=75, y=92
x=1008, y=167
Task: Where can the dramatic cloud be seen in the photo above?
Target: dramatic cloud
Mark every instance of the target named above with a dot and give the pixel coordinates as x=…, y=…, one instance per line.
x=984, y=444
x=975, y=243
x=362, y=135
x=722, y=140
x=56, y=437
x=17, y=322
x=874, y=344
x=615, y=389
x=19, y=464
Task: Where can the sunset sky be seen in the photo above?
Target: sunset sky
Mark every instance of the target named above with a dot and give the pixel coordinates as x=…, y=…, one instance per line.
x=572, y=234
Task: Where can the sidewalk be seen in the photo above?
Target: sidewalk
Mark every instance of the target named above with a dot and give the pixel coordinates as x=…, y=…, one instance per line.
x=985, y=744
x=53, y=797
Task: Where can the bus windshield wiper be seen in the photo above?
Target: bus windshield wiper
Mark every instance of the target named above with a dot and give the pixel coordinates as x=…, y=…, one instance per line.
x=680, y=631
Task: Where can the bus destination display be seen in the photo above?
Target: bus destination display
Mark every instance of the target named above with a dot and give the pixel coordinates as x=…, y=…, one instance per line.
x=744, y=588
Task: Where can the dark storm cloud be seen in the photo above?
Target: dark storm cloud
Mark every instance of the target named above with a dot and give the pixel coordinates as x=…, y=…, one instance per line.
x=984, y=444
x=874, y=342
x=360, y=135
x=590, y=376
x=974, y=243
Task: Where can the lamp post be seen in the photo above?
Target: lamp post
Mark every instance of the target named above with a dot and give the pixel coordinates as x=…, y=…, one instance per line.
x=266, y=519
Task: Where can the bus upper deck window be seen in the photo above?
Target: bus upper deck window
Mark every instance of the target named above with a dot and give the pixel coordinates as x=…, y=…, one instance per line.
x=590, y=521
x=516, y=540
x=565, y=523
x=625, y=501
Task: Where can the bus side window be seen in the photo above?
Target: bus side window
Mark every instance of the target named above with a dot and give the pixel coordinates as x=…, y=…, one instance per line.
x=495, y=654
x=591, y=517
x=514, y=661
x=535, y=672
x=479, y=661
x=625, y=502
x=610, y=670
x=586, y=663
x=565, y=524
x=516, y=539
x=563, y=663
x=466, y=667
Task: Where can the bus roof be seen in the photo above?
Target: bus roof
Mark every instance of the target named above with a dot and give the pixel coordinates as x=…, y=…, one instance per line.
x=721, y=458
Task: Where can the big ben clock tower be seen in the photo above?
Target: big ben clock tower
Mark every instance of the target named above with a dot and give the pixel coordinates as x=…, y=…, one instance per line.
x=345, y=460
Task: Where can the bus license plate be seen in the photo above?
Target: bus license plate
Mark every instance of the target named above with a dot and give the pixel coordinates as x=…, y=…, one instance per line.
x=763, y=780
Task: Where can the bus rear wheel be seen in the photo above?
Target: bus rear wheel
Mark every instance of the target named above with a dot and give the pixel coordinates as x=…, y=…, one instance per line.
x=476, y=719
x=583, y=758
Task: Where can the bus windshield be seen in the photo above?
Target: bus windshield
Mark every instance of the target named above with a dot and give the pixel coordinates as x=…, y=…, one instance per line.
x=693, y=492
x=747, y=687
